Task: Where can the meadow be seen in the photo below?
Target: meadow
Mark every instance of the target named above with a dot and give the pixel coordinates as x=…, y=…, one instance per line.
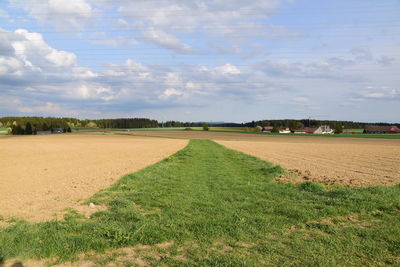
x=208, y=205
x=3, y=131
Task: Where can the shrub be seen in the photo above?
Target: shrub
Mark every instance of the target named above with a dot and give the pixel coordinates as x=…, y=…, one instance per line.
x=311, y=187
x=205, y=126
x=275, y=130
x=338, y=129
x=28, y=128
x=17, y=129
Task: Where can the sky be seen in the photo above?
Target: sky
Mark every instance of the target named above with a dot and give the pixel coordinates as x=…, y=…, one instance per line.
x=201, y=60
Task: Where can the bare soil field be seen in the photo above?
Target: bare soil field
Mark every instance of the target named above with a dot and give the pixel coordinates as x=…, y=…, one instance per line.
x=353, y=162
x=40, y=176
x=344, y=161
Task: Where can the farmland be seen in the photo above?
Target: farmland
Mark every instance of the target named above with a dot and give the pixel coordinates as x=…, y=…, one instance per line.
x=353, y=162
x=343, y=161
x=42, y=175
x=205, y=205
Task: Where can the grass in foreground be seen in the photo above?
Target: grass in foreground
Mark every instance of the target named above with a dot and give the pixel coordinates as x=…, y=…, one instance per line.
x=220, y=207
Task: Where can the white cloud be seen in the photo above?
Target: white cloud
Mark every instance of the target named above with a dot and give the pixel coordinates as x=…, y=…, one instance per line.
x=4, y=14
x=170, y=92
x=31, y=49
x=167, y=41
x=46, y=108
x=90, y=91
x=60, y=13
x=228, y=69
x=379, y=93
x=165, y=22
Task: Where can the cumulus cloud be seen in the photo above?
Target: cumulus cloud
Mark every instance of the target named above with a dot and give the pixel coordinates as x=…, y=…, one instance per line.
x=32, y=49
x=60, y=13
x=379, y=93
x=47, y=108
x=32, y=69
x=167, y=41
x=165, y=23
x=167, y=93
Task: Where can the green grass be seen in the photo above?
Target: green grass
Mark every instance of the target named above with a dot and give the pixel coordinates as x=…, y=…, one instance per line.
x=353, y=131
x=2, y=131
x=222, y=208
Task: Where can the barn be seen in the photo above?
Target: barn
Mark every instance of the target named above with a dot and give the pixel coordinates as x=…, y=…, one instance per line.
x=377, y=129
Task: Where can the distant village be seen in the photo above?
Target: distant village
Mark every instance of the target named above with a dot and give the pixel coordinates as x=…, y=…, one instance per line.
x=326, y=129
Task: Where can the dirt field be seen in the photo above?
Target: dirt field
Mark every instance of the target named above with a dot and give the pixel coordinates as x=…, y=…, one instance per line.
x=356, y=163
x=345, y=161
x=43, y=175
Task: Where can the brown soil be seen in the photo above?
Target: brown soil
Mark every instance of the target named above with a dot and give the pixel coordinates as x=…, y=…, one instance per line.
x=353, y=162
x=330, y=160
x=43, y=175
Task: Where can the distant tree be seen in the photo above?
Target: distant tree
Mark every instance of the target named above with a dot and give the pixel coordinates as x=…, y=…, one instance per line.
x=28, y=128
x=94, y=125
x=293, y=125
x=17, y=129
x=69, y=129
x=338, y=129
x=258, y=129
x=14, y=129
x=45, y=127
x=205, y=126
x=275, y=129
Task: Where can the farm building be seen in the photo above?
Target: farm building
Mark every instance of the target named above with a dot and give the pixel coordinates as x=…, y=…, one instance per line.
x=382, y=129
x=306, y=130
x=267, y=129
x=324, y=129
x=284, y=130
x=57, y=130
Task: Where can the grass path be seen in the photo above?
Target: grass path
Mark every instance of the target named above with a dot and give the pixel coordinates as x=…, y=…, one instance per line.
x=218, y=207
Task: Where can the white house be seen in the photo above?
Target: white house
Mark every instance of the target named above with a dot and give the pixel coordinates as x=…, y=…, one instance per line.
x=284, y=130
x=324, y=129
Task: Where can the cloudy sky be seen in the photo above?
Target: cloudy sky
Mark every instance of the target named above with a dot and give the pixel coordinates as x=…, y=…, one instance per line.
x=201, y=60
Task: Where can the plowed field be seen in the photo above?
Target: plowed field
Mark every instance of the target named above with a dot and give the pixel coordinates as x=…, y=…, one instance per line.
x=353, y=162
x=40, y=176
x=331, y=160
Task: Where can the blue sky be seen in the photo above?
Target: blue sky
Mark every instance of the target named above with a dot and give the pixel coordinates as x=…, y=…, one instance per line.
x=201, y=60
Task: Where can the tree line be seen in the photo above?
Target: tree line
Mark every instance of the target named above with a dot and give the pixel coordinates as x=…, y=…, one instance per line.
x=31, y=125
